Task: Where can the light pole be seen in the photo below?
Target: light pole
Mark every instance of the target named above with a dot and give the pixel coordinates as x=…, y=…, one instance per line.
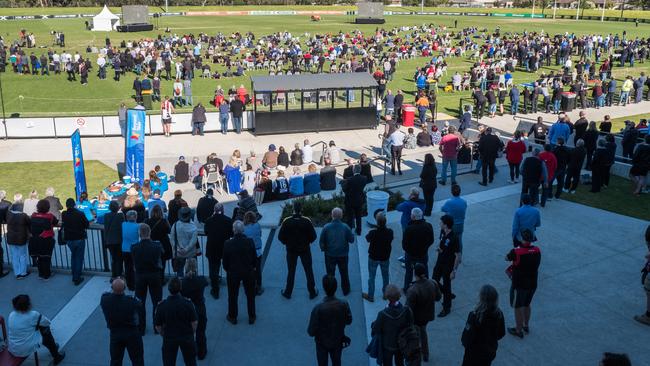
x=422, y=7
x=602, y=16
x=2, y=102
x=166, y=6
x=578, y=10
x=533, y=9
x=554, y=8
x=622, y=2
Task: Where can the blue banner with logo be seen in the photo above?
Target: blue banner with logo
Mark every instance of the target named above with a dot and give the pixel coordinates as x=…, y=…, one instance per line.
x=134, y=154
x=78, y=164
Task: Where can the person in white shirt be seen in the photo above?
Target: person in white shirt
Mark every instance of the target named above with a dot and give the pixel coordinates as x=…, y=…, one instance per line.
x=178, y=93
x=28, y=330
x=307, y=153
x=56, y=61
x=101, y=63
x=333, y=154
x=396, y=140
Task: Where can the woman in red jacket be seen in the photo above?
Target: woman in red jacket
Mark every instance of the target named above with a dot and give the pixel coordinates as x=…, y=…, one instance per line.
x=515, y=150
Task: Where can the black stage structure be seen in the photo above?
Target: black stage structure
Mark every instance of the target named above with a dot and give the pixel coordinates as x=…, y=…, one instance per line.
x=313, y=102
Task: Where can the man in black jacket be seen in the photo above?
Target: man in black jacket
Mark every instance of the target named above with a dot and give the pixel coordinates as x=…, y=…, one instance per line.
x=447, y=262
x=533, y=172
x=421, y=297
x=176, y=321
x=113, y=237
x=488, y=146
x=218, y=229
x=479, y=100
x=123, y=318
x=327, y=324
x=237, y=109
x=353, y=189
x=147, y=260
x=75, y=224
x=417, y=239
x=198, y=119
x=399, y=101
x=205, y=207
x=181, y=171
x=4, y=209
x=297, y=233
x=576, y=160
x=239, y=261
x=562, y=155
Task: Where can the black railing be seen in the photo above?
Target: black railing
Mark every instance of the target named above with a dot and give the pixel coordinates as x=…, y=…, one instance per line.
x=96, y=256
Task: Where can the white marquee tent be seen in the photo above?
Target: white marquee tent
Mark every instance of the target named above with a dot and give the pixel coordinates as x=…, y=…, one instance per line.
x=105, y=21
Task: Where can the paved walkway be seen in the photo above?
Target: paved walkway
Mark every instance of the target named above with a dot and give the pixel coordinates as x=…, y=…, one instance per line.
x=587, y=295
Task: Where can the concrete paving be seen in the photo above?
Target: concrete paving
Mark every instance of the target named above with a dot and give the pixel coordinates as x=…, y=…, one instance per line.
x=588, y=292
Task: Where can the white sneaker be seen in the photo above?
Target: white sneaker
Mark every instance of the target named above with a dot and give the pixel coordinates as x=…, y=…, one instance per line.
x=565, y=190
x=516, y=180
x=572, y=192
x=511, y=181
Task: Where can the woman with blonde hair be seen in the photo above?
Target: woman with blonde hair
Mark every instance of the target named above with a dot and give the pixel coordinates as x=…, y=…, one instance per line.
x=236, y=156
x=311, y=180
x=233, y=175
x=29, y=206
x=100, y=206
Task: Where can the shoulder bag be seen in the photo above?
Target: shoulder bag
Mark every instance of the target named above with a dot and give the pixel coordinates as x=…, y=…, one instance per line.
x=176, y=261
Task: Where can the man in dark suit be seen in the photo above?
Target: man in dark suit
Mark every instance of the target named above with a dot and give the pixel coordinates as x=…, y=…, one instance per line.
x=239, y=260
x=488, y=147
x=205, y=207
x=297, y=233
x=137, y=87
x=123, y=318
x=147, y=260
x=176, y=321
x=218, y=229
x=353, y=189
x=327, y=324
x=399, y=101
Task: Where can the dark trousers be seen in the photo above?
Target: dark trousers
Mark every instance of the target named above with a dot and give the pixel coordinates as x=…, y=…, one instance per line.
x=428, y=194
x=201, y=341
x=559, y=177
x=479, y=109
x=48, y=341
x=476, y=359
x=44, y=265
x=609, y=97
x=487, y=169
x=409, y=265
x=532, y=189
x=589, y=158
x=214, y=265
x=334, y=354
x=342, y=262
x=424, y=341
x=389, y=356
x=258, y=273
x=129, y=270
x=148, y=282
x=445, y=275
x=116, y=260
x=606, y=174
x=131, y=341
x=353, y=217
x=170, y=351
x=234, y=280
x=514, y=171
x=572, y=179
x=292, y=262
x=2, y=258
x=396, y=159
x=597, y=177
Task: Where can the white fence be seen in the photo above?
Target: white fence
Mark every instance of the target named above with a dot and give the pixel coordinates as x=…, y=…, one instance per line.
x=102, y=126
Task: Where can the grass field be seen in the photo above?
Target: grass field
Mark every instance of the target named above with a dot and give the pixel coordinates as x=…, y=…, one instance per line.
x=619, y=123
x=22, y=177
x=617, y=198
x=27, y=95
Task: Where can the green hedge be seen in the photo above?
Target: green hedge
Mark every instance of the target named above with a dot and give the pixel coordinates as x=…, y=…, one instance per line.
x=318, y=209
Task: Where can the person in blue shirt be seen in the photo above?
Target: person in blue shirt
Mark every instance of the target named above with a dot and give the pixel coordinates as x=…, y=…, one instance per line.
x=311, y=180
x=526, y=217
x=157, y=201
x=421, y=81
x=456, y=207
x=559, y=129
x=130, y=236
x=296, y=183
x=407, y=206
x=85, y=206
x=164, y=180
x=100, y=206
x=335, y=239
x=154, y=181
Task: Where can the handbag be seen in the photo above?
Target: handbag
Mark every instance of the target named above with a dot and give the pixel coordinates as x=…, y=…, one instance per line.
x=375, y=349
x=60, y=235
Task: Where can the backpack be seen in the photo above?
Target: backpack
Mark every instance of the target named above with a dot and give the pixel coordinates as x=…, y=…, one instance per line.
x=408, y=342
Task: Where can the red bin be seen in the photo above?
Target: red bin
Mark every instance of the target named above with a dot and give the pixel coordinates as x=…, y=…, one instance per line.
x=408, y=115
